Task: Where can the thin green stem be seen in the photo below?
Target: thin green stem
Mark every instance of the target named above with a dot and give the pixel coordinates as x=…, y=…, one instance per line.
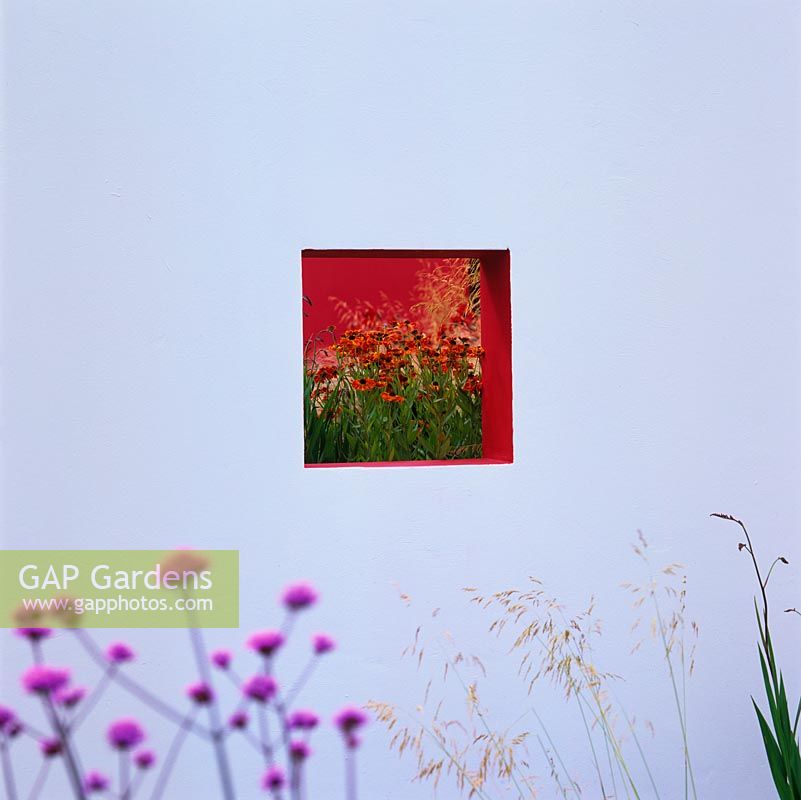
x=134, y=687
x=673, y=684
x=171, y=757
x=8, y=772
x=70, y=759
x=555, y=750
x=40, y=780
x=217, y=730
x=592, y=749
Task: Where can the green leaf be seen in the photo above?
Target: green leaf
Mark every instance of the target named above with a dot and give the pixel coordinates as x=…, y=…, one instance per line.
x=775, y=760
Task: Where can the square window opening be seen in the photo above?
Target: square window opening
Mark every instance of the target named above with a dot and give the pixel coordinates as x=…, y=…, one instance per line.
x=407, y=357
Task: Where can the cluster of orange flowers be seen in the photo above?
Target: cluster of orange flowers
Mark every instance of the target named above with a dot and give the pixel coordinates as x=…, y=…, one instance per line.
x=391, y=347
x=394, y=354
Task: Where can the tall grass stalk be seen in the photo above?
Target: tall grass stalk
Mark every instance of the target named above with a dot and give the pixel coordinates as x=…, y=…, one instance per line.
x=556, y=650
x=778, y=728
x=671, y=636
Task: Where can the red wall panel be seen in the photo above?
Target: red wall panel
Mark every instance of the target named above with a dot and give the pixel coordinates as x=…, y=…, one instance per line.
x=363, y=275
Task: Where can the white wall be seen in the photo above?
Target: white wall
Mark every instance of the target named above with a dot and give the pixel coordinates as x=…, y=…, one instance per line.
x=165, y=164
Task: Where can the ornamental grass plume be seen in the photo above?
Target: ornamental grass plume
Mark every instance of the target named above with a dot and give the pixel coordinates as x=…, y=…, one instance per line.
x=487, y=758
x=281, y=737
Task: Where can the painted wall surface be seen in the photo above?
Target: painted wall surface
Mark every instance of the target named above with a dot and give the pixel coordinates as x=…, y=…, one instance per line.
x=166, y=162
x=359, y=283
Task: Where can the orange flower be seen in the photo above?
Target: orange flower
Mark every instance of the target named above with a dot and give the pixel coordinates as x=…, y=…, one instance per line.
x=473, y=385
x=325, y=374
x=366, y=384
x=391, y=398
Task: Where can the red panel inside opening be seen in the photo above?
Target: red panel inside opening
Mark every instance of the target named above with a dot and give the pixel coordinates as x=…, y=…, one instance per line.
x=370, y=276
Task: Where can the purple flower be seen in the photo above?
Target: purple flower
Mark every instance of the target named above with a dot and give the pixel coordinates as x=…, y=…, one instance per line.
x=298, y=596
x=14, y=729
x=274, y=779
x=239, y=720
x=7, y=718
x=303, y=720
x=261, y=688
x=266, y=642
x=299, y=751
x=125, y=734
x=201, y=693
x=119, y=653
x=144, y=759
x=95, y=781
x=322, y=643
x=34, y=634
x=221, y=658
x=350, y=719
x=50, y=747
x=70, y=696
x=41, y=679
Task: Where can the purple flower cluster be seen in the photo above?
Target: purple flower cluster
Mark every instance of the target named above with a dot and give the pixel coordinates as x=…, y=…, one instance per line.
x=261, y=688
x=7, y=718
x=299, y=596
x=50, y=747
x=119, y=653
x=303, y=720
x=260, y=696
x=274, y=779
x=239, y=720
x=267, y=643
x=125, y=734
x=350, y=720
x=45, y=680
x=34, y=634
x=144, y=759
x=322, y=643
x=222, y=658
x=10, y=726
x=96, y=781
x=299, y=750
x=200, y=693
x=69, y=696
